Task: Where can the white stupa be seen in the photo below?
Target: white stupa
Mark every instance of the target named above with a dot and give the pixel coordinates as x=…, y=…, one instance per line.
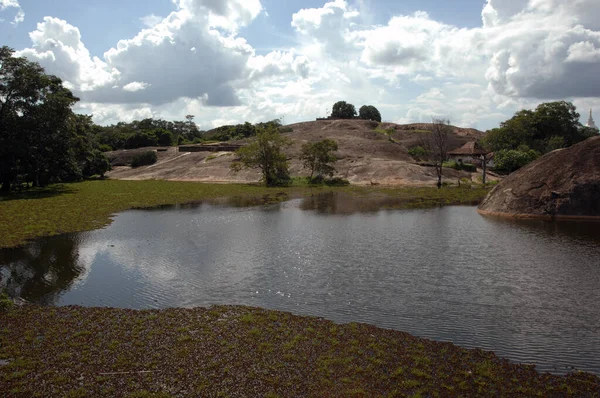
x=590, y=122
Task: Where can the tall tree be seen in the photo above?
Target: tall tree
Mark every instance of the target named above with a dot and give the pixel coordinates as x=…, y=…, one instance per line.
x=35, y=122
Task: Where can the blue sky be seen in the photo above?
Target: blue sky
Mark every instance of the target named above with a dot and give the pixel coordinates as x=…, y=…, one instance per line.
x=475, y=62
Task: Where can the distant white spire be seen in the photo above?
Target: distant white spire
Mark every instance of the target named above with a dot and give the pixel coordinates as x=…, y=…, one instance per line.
x=590, y=122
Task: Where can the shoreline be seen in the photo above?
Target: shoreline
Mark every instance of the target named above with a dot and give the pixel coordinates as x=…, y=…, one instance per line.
x=246, y=351
x=520, y=216
x=89, y=205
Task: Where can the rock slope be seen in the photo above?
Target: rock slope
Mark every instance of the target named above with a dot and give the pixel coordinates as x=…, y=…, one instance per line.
x=561, y=184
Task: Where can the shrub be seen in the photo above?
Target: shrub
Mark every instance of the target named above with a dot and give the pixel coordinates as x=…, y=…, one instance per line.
x=5, y=302
x=105, y=148
x=417, y=152
x=460, y=166
x=144, y=159
x=139, y=140
x=513, y=159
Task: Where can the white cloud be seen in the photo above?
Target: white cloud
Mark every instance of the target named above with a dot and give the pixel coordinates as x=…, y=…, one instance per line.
x=412, y=67
x=136, y=86
x=151, y=20
x=20, y=15
x=58, y=47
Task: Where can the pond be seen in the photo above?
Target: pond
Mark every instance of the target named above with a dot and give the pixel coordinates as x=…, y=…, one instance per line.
x=529, y=290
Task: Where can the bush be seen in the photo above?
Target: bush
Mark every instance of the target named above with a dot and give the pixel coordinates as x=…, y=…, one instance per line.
x=513, y=159
x=144, y=159
x=105, y=148
x=140, y=140
x=417, y=152
x=5, y=302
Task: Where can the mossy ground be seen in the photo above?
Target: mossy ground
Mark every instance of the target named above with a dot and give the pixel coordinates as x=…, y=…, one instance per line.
x=89, y=205
x=246, y=352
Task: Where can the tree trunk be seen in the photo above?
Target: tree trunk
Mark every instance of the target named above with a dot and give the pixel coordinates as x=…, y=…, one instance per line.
x=484, y=164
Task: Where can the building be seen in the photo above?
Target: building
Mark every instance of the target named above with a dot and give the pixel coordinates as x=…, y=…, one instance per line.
x=471, y=153
x=590, y=122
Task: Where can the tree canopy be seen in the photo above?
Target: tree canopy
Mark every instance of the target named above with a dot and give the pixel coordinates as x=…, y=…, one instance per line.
x=318, y=157
x=266, y=153
x=550, y=126
x=343, y=110
x=41, y=139
x=369, y=112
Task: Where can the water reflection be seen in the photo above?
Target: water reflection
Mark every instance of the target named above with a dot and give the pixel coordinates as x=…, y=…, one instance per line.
x=525, y=289
x=41, y=271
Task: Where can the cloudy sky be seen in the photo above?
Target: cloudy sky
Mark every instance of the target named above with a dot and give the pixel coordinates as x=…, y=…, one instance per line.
x=475, y=62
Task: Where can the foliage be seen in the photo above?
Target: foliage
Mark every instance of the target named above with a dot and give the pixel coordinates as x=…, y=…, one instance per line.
x=164, y=137
x=144, y=159
x=318, y=157
x=239, y=342
x=5, y=302
x=460, y=166
x=418, y=152
x=343, y=110
x=96, y=164
x=369, y=112
x=41, y=139
x=241, y=131
x=551, y=126
x=511, y=160
x=105, y=148
x=266, y=153
x=140, y=140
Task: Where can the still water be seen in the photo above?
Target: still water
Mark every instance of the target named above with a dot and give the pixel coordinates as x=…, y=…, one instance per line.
x=530, y=291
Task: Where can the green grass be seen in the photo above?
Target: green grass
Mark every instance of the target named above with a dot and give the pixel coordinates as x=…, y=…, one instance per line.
x=89, y=205
x=242, y=351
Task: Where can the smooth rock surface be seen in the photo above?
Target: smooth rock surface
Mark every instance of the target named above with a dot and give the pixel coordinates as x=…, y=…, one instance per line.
x=561, y=184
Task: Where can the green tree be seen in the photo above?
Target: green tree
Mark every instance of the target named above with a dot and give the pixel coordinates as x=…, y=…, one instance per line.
x=540, y=130
x=511, y=160
x=163, y=137
x=343, y=110
x=318, y=157
x=36, y=130
x=369, y=112
x=266, y=153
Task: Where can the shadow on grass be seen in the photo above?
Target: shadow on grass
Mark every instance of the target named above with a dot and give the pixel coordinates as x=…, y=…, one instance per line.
x=37, y=193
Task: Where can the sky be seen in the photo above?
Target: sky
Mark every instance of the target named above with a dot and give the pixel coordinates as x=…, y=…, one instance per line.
x=474, y=62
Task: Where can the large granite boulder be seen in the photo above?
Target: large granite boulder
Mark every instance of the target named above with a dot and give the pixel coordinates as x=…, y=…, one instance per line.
x=561, y=184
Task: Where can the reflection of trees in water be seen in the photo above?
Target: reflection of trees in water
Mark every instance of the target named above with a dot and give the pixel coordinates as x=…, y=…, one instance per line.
x=40, y=271
x=339, y=203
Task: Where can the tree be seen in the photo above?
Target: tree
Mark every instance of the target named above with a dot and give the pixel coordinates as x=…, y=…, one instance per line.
x=343, y=110
x=369, y=112
x=437, y=145
x=550, y=126
x=36, y=124
x=318, y=158
x=265, y=153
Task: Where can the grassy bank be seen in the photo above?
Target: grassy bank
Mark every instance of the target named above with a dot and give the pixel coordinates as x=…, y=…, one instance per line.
x=89, y=205
x=240, y=351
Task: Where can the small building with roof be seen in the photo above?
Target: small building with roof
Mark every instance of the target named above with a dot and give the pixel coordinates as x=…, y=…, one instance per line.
x=471, y=153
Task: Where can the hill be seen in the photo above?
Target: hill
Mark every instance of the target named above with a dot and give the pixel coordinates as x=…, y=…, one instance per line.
x=561, y=184
x=366, y=155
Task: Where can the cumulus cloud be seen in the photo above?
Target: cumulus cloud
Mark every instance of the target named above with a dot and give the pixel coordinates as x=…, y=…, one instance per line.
x=19, y=16
x=136, y=86
x=57, y=46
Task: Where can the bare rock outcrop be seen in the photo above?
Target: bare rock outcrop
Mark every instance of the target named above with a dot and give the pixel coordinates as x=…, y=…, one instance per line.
x=562, y=184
